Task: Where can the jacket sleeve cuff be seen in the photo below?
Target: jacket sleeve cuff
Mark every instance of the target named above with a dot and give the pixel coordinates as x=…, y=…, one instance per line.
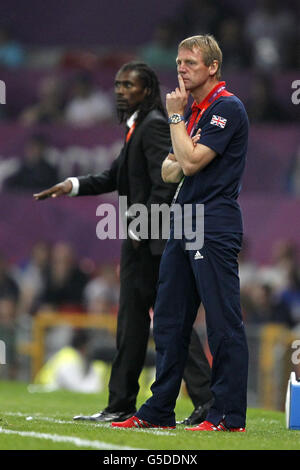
x=75, y=187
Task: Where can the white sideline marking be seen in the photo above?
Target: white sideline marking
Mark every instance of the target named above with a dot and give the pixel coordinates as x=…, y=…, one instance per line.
x=38, y=417
x=157, y=432
x=77, y=441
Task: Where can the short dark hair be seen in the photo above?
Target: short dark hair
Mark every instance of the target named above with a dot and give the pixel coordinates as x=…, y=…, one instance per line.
x=149, y=80
x=80, y=338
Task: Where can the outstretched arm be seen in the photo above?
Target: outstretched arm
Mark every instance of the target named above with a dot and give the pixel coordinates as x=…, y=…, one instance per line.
x=60, y=189
x=89, y=185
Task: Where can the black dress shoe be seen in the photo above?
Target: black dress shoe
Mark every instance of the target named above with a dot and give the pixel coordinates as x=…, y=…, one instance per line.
x=105, y=416
x=199, y=414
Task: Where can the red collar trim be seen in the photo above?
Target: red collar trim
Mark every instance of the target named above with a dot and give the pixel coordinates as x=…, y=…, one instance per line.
x=212, y=95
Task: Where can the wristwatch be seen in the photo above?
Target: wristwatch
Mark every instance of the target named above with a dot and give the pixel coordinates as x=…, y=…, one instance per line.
x=175, y=119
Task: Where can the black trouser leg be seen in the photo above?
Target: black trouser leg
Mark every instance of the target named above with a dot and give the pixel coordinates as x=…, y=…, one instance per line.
x=138, y=278
x=197, y=373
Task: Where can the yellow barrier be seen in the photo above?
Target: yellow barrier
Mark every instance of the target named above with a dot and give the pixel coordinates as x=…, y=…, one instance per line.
x=43, y=321
x=275, y=344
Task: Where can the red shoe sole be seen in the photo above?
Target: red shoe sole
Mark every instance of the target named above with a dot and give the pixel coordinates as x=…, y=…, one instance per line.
x=207, y=426
x=137, y=423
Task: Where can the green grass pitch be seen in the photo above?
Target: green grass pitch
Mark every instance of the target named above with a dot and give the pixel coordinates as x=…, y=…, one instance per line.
x=43, y=421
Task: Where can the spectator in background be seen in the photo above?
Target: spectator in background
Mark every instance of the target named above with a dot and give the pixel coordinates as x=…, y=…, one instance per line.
x=8, y=312
x=71, y=368
x=8, y=286
x=65, y=281
x=248, y=279
x=50, y=104
x=87, y=105
x=101, y=293
x=270, y=31
x=32, y=276
x=11, y=52
x=34, y=170
x=200, y=17
x=9, y=296
x=284, y=259
x=247, y=267
x=293, y=175
x=295, y=48
x=261, y=306
x=160, y=52
x=233, y=45
x=289, y=301
x=262, y=105
x=272, y=293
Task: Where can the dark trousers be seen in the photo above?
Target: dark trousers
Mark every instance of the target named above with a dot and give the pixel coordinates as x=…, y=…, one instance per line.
x=184, y=282
x=138, y=282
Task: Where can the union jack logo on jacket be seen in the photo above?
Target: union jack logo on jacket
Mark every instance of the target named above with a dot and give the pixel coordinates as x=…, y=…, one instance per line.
x=218, y=121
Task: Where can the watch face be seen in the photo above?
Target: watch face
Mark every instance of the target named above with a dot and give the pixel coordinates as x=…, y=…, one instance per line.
x=175, y=118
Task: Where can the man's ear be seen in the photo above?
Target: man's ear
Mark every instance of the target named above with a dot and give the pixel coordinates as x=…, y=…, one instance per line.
x=213, y=67
x=147, y=91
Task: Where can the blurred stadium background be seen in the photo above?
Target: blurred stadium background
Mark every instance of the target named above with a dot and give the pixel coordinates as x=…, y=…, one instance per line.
x=58, y=63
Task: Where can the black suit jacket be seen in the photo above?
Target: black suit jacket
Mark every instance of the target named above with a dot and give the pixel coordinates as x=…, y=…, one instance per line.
x=136, y=172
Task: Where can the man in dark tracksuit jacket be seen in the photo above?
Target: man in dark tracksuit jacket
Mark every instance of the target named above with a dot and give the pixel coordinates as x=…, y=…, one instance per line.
x=136, y=174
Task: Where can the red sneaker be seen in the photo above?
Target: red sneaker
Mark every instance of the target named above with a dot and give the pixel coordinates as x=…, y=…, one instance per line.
x=208, y=426
x=237, y=429
x=135, y=422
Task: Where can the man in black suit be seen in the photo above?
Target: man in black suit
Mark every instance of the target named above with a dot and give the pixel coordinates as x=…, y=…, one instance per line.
x=136, y=174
